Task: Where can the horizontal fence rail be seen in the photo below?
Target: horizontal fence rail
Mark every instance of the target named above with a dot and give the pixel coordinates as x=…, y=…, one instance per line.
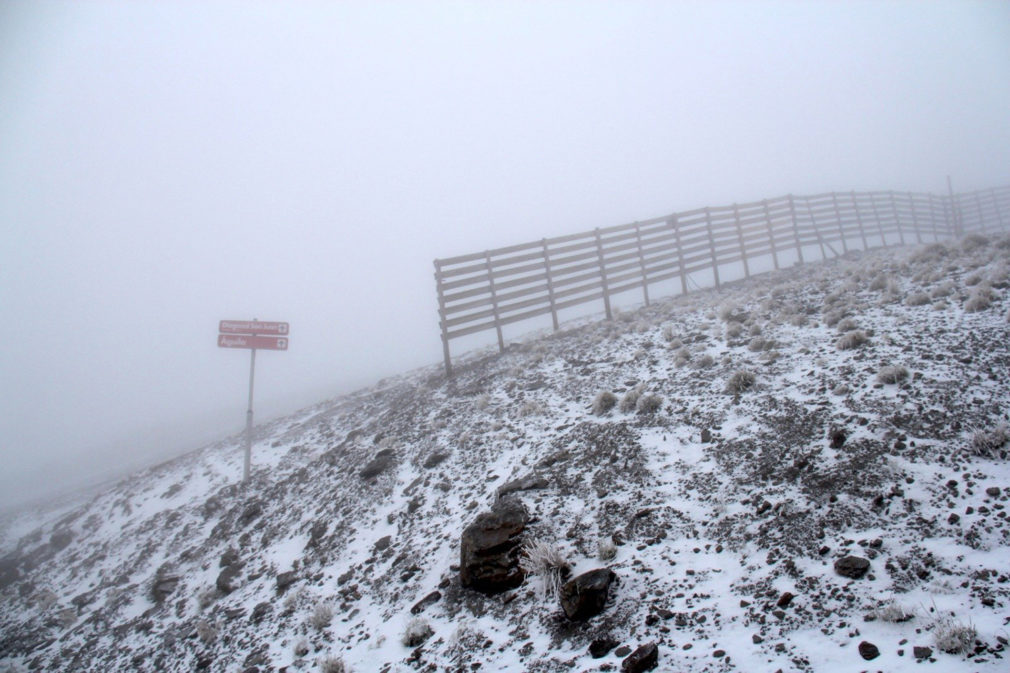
x=488, y=290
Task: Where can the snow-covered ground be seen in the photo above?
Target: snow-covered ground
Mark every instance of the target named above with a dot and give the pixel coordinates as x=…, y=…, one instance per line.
x=780, y=443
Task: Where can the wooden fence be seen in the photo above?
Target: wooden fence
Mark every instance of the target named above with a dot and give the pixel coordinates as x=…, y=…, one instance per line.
x=491, y=289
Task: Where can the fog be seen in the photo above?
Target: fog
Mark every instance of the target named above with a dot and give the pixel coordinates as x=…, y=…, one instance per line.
x=167, y=165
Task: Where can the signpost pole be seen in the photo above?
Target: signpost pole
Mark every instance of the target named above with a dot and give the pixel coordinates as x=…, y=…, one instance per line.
x=249, y=418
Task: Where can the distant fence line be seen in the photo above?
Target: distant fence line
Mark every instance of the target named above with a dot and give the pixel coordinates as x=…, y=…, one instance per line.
x=490, y=289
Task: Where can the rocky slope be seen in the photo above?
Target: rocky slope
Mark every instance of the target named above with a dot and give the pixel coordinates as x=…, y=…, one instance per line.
x=804, y=472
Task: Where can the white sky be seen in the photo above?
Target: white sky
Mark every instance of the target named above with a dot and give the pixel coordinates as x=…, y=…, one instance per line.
x=167, y=165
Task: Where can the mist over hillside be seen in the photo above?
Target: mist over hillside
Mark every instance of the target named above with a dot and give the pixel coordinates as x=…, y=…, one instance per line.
x=807, y=471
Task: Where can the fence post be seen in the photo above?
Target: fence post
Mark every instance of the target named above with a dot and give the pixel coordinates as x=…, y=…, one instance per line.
x=915, y=218
x=550, y=283
x=494, y=302
x=641, y=263
x=711, y=245
x=859, y=222
x=817, y=230
x=953, y=219
x=680, y=254
x=441, y=319
x=771, y=237
x=796, y=228
x=603, y=275
x=838, y=219
x=739, y=238
x=978, y=206
x=897, y=218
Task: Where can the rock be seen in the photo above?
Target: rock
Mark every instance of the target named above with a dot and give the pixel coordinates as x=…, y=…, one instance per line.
x=435, y=459
x=921, y=652
x=382, y=461
x=785, y=599
x=645, y=658
x=9, y=572
x=527, y=483
x=60, y=539
x=601, y=646
x=317, y=532
x=251, y=511
x=706, y=436
x=837, y=437
x=585, y=596
x=852, y=567
x=229, y=558
x=284, y=580
x=164, y=585
x=490, y=548
x=227, y=581
x=868, y=651
x=260, y=611
x=622, y=651
x=425, y=602
x=382, y=544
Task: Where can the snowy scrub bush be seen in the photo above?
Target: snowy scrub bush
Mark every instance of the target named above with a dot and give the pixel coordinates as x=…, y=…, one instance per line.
x=418, y=630
x=704, y=362
x=321, y=616
x=733, y=330
x=604, y=402
x=683, y=357
x=893, y=612
x=846, y=325
x=205, y=632
x=333, y=665
x=880, y=282
x=840, y=390
x=531, y=408
x=546, y=561
x=740, y=381
x=979, y=300
x=759, y=344
x=729, y=313
x=301, y=648
x=917, y=299
x=606, y=550
x=986, y=443
x=206, y=597
x=892, y=374
x=649, y=404
x=630, y=399
x=973, y=242
x=833, y=318
x=942, y=290
x=852, y=339
x=953, y=637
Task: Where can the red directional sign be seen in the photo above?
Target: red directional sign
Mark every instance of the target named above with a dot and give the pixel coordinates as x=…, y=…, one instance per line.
x=252, y=327
x=248, y=341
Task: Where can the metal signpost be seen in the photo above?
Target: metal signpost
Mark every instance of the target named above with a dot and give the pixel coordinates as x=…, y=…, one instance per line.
x=251, y=334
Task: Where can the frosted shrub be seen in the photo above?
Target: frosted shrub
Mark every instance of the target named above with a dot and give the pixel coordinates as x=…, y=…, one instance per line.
x=973, y=242
x=206, y=632
x=833, y=318
x=850, y=340
x=321, y=616
x=846, y=325
x=604, y=402
x=880, y=282
x=729, y=312
x=649, y=404
x=917, y=299
x=892, y=374
x=893, y=612
x=740, y=381
x=606, y=550
x=531, y=408
x=986, y=443
x=301, y=648
x=942, y=290
x=683, y=357
x=333, y=665
x=733, y=330
x=979, y=300
x=630, y=399
x=704, y=362
x=418, y=630
x=953, y=637
x=546, y=561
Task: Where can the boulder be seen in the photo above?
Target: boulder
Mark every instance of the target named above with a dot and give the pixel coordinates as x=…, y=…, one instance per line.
x=490, y=548
x=868, y=650
x=284, y=580
x=228, y=580
x=585, y=596
x=852, y=567
x=428, y=600
x=382, y=461
x=9, y=572
x=645, y=658
x=163, y=586
x=527, y=483
x=601, y=647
